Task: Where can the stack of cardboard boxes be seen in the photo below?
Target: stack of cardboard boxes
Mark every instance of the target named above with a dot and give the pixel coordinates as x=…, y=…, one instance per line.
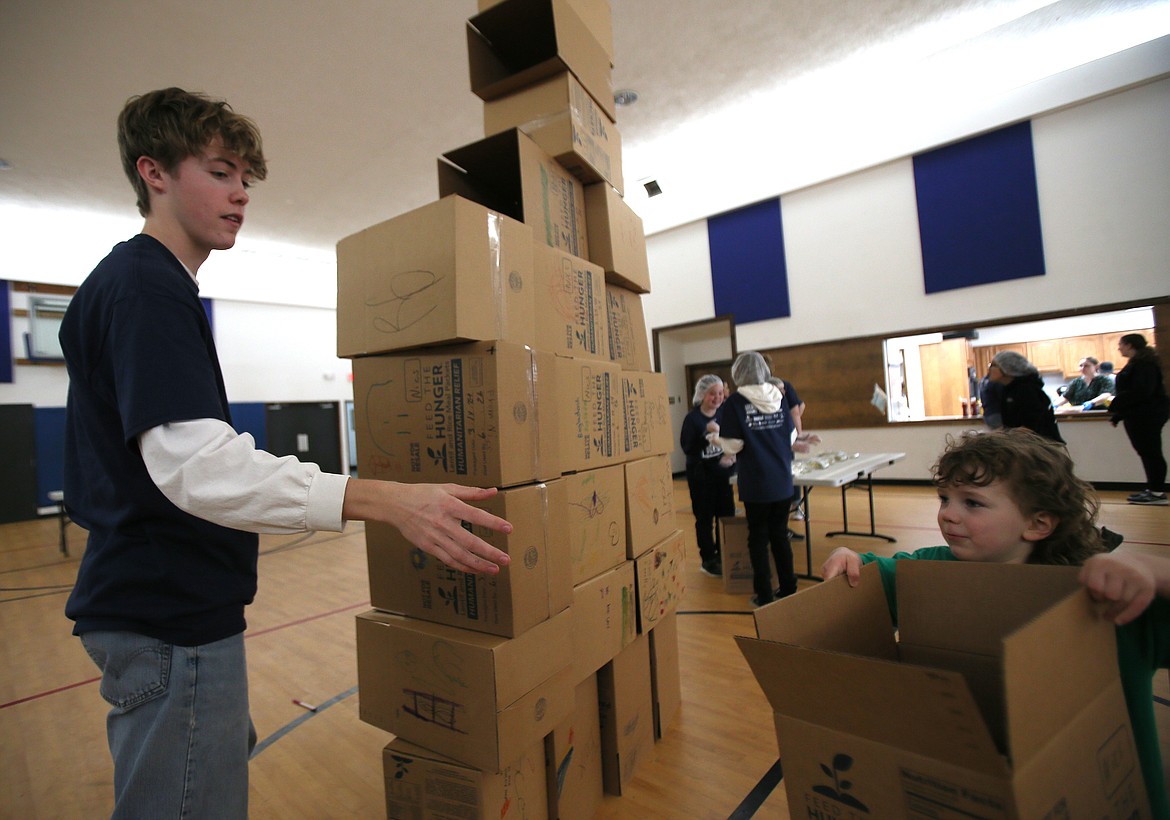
x=498, y=340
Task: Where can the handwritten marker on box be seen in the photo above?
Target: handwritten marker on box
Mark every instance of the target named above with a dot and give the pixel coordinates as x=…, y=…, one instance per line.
x=304, y=705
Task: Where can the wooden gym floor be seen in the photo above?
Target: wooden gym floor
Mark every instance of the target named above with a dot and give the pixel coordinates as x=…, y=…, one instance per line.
x=713, y=762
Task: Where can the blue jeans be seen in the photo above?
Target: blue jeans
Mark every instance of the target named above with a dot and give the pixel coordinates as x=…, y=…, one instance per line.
x=179, y=730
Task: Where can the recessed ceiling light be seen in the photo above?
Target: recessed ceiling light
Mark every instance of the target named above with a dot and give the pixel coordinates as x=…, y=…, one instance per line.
x=627, y=96
x=652, y=187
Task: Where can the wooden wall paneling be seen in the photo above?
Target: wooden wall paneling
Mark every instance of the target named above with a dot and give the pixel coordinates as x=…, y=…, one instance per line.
x=835, y=379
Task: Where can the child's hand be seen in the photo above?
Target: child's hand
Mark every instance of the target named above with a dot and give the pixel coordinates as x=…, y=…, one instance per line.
x=842, y=561
x=1123, y=583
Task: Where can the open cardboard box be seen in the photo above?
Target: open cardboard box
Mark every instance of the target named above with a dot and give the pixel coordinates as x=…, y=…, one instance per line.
x=998, y=698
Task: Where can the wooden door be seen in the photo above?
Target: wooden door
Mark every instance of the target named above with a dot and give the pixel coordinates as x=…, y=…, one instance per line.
x=944, y=377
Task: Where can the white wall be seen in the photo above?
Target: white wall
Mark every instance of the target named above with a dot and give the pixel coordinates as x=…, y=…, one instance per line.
x=855, y=268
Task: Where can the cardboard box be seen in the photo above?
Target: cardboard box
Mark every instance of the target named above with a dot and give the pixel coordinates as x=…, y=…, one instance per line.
x=594, y=13
x=646, y=424
x=560, y=116
x=519, y=42
x=595, y=521
x=480, y=699
x=560, y=564
x=588, y=411
x=406, y=580
x=509, y=173
x=573, y=759
x=605, y=619
x=468, y=414
x=665, y=673
x=617, y=238
x=1000, y=697
x=425, y=785
x=649, y=503
x=572, y=320
x=661, y=580
x=627, y=329
x=627, y=714
x=447, y=272
x=737, y=563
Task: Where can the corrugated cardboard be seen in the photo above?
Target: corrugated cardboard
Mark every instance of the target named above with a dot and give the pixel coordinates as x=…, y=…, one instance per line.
x=627, y=714
x=661, y=580
x=449, y=271
x=566, y=123
x=425, y=785
x=588, y=410
x=627, y=329
x=519, y=42
x=605, y=619
x=573, y=759
x=560, y=566
x=737, y=562
x=595, y=516
x=406, y=580
x=649, y=503
x=646, y=424
x=1001, y=698
x=594, y=13
x=617, y=238
x=468, y=414
x=509, y=173
x=573, y=319
x=665, y=674
x=480, y=699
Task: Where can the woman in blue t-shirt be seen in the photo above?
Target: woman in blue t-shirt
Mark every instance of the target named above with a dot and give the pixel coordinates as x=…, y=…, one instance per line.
x=709, y=470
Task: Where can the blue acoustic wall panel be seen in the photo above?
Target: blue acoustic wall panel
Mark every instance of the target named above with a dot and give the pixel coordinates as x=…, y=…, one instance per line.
x=749, y=275
x=978, y=211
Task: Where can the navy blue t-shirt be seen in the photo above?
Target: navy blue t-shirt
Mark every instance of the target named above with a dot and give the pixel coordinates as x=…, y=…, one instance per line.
x=140, y=353
x=765, y=463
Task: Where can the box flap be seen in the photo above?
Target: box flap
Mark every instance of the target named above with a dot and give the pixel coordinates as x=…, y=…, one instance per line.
x=834, y=616
x=1053, y=668
x=920, y=710
x=970, y=606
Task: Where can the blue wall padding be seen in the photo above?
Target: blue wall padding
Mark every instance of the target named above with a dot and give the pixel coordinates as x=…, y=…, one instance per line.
x=978, y=211
x=6, y=365
x=49, y=436
x=749, y=274
x=251, y=417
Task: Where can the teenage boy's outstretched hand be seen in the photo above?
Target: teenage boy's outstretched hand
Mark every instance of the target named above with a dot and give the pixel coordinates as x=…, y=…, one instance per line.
x=842, y=561
x=1124, y=582
x=431, y=517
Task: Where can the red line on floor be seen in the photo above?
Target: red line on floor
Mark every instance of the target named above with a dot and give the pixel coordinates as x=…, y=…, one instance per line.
x=67, y=687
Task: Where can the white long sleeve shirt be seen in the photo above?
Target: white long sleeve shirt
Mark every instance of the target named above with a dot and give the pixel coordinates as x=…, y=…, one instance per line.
x=207, y=469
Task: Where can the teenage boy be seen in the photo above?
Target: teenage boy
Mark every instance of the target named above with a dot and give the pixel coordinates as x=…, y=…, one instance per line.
x=171, y=495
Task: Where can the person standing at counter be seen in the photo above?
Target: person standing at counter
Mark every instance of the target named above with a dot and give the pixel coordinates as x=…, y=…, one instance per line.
x=1085, y=387
x=709, y=471
x=1140, y=403
x=1025, y=404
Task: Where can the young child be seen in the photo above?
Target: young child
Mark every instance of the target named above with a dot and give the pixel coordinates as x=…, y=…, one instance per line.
x=171, y=495
x=1011, y=496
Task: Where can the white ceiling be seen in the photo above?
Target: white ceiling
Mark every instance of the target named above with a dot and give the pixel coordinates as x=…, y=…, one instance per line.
x=357, y=100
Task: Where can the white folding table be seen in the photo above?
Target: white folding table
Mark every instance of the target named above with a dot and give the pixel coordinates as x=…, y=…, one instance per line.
x=845, y=474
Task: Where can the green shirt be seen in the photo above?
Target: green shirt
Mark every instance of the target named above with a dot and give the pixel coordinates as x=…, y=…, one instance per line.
x=1143, y=646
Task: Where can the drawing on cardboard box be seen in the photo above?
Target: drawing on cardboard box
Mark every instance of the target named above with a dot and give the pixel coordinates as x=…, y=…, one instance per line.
x=839, y=791
x=404, y=299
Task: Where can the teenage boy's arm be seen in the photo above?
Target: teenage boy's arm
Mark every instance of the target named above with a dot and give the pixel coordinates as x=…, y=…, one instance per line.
x=1126, y=582
x=205, y=468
